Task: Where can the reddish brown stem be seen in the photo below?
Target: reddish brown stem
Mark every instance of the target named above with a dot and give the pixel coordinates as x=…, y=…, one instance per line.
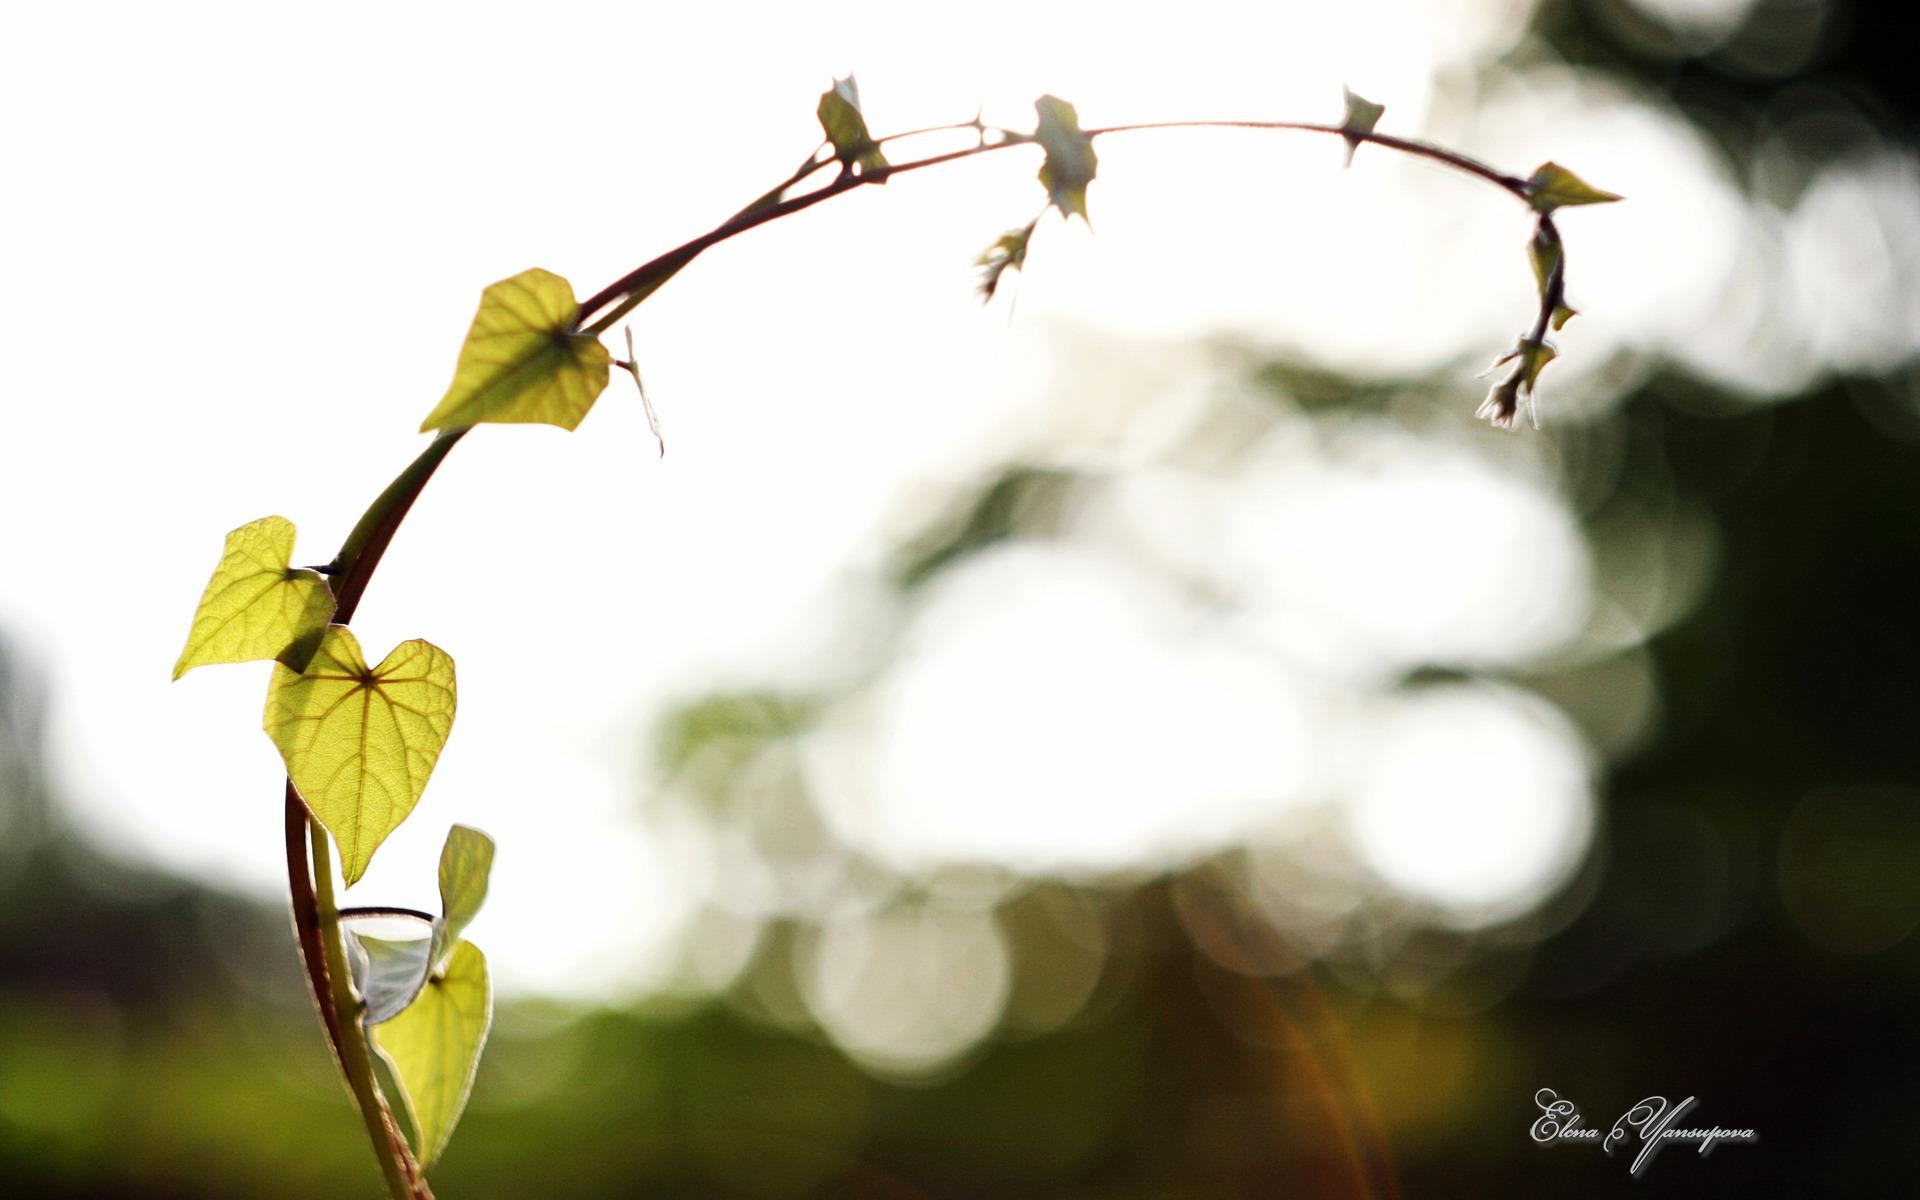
x=353, y=568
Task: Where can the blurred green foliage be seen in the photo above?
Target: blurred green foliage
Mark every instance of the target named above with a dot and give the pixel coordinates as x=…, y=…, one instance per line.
x=155, y=1040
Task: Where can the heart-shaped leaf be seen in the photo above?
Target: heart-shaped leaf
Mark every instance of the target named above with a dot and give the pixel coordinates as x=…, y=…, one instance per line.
x=1070, y=162
x=257, y=605
x=846, y=128
x=434, y=1047
x=360, y=742
x=1553, y=186
x=1362, y=115
x=522, y=362
x=466, y=861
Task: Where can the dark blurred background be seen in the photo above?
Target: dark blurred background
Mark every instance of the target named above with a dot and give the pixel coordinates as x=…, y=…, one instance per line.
x=1739, y=928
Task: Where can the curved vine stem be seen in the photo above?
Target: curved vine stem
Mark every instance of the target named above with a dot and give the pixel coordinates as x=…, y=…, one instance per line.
x=316, y=916
x=404, y=1179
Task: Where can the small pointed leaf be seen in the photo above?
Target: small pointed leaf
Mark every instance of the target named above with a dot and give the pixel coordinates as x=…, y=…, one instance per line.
x=1362, y=115
x=1562, y=314
x=466, y=861
x=1070, y=162
x=359, y=742
x=1553, y=186
x=1008, y=253
x=1544, y=254
x=1533, y=361
x=257, y=605
x=522, y=362
x=846, y=128
x=434, y=1047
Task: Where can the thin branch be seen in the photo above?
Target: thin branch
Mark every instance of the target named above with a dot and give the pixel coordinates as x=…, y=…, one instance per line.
x=315, y=916
x=360, y=554
x=641, y=282
x=1554, y=291
x=955, y=127
x=1418, y=149
x=310, y=890
x=306, y=919
x=404, y=1180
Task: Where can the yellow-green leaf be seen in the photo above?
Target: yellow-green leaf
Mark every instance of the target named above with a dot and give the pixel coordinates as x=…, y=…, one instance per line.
x=522, y=362
x=1529, y=359
x=1008, y=253
x=846, y=128
x=1536, y=361
x=1362, y=115
x=434, y=1047
x=359, y=742
x=257, y=605
x=1545, y=256
x=1070, y=162
x=466, y=861
x=1553, y=186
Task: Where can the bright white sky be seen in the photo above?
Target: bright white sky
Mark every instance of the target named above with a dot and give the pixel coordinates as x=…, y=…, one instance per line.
x=243, y=244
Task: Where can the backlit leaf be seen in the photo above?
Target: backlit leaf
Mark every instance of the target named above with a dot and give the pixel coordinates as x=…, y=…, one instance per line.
x=1553, y=186
x=388, y=972
x=846, y=128
x=1502, y=404
x=1362, y=115
x=434, y=1047
x=522, y=363
x=1544, y=254
x=1070, y=162
x=1534, y=362
x=466, y=861
x=391, y=1088
x=1008, y=253
x=1528, y=359
x=258, y=606
x=360, y=742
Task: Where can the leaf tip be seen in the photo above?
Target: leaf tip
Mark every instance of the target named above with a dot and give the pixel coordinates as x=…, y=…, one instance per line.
x=1552, y=186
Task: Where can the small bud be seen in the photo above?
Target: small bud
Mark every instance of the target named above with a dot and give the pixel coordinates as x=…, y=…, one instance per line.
x=1502, y=404
x=1553, y=186
x=1362, y=115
